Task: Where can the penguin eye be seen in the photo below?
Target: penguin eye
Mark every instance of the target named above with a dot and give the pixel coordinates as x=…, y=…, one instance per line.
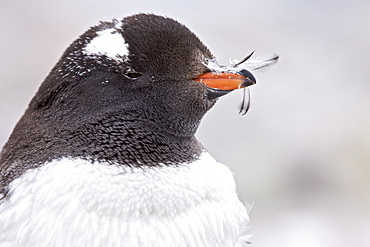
x=133, y=75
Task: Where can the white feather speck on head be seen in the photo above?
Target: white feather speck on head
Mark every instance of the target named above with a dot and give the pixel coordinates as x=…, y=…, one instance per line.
x=108, y=42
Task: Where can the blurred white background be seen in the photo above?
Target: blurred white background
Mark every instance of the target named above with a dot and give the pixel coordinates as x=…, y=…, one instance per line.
x=301, y=155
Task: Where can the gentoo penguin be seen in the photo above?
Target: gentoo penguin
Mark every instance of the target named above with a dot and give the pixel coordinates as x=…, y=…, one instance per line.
x=105, y=154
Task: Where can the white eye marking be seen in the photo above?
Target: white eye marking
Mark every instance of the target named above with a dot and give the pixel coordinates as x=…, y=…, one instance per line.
x=108, y=42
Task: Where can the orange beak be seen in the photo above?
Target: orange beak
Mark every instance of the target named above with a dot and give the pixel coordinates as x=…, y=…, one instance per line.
x=227, y=80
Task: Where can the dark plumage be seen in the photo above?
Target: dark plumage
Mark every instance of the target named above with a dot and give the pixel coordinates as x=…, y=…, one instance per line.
x=91, y=107
x=105, y=154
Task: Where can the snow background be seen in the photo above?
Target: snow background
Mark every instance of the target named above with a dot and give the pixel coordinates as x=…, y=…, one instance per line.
x=301, y=155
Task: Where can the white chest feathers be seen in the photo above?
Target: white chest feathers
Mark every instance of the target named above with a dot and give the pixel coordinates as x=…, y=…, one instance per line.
x=74, y=203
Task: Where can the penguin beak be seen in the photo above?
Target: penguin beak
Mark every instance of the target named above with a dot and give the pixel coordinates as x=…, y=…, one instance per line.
x=227, y=80
x=221, y=83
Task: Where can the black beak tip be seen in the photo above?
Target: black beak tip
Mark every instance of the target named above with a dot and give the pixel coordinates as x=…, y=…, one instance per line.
x=250, y=79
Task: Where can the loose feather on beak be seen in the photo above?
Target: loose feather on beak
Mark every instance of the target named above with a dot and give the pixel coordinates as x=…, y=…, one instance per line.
x=235, y=76
x=252, y=65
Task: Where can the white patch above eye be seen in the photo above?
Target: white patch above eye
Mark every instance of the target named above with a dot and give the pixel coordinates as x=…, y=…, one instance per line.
x=107, y=42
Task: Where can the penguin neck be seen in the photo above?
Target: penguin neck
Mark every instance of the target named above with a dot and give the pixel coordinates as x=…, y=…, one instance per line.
x=133, y=143
x=126, y=141
x=115, y=141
